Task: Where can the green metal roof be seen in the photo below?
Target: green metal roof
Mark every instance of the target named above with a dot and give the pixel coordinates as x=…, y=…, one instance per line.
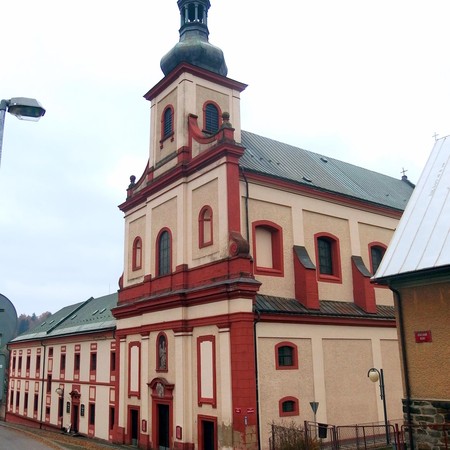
x=91, y=315
x=276, y=159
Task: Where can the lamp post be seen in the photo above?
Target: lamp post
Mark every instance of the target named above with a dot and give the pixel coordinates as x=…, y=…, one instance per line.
x=375, y=375
x=21, y=107
x=60, y=392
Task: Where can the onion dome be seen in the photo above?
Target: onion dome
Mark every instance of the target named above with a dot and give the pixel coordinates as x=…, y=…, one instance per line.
x=194, y=47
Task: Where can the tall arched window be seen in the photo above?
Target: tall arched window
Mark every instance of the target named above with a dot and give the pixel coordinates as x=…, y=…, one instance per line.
x=137, y=254
x=328, y=257
x=167, y=122
x=211, y=114
x=376, y=252
x=164, y=253
x=205, y=227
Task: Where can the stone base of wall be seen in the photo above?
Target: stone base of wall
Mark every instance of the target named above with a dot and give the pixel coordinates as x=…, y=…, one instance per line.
x=430, y=423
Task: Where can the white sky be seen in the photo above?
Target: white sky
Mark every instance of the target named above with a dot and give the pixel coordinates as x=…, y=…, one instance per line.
x=363, y=81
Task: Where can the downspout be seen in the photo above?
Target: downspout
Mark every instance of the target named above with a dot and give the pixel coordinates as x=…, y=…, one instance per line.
x=258, y=433
x=405, y=364
x=42, y=384
x=247, y=230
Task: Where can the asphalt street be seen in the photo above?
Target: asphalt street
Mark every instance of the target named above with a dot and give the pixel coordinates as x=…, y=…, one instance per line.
x=14, y=439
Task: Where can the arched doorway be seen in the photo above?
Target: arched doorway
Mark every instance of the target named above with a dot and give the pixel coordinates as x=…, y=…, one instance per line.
x=162, y=413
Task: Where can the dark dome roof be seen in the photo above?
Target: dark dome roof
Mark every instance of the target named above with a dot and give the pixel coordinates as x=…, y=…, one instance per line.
x=194, y=47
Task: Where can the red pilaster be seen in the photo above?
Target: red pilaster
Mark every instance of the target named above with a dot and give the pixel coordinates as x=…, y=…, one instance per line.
x=243, y=381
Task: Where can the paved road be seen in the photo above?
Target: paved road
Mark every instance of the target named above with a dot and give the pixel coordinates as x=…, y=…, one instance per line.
x=12, y=439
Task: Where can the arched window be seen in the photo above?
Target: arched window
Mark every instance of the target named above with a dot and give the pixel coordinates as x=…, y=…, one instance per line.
x=268, y=248
x=137, y=254
x=167, y=122
x=163, y=262
x=286, y=356
x=328, y=257
x=161, y=353
x=205, y=227
x=211, y=114
x=288, y=406
x=376, y=252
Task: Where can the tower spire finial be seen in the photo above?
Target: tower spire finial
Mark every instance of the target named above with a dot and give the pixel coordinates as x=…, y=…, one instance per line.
x=194, y=47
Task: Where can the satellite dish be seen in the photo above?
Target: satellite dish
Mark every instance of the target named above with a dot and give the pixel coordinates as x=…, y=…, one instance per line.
x=8, y=321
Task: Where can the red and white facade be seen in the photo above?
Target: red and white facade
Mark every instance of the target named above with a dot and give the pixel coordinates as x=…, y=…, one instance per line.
x=233, y=239
x=244, y=296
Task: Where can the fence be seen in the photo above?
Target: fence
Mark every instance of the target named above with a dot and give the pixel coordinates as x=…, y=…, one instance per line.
x=314, y=436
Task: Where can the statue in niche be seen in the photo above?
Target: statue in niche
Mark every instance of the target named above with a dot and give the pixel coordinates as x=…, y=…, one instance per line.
x=162, y=349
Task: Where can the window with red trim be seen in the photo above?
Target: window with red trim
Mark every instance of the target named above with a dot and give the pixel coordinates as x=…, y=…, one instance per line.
x=137, y=253
x=286, y=356
x=211, y=117
x=205, y=227
x=76, y=362
x=167, y=125
x=38, y=364
x=288, y=406
x=376, y=253
x=268, y=248
x=163, y=253
x=328, y=258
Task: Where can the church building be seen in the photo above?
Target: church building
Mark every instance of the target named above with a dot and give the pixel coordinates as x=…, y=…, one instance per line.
x=246, y=293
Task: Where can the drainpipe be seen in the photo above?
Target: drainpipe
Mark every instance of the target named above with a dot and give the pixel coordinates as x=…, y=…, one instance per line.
x=401, y=325
x=247, y=230
x=42, y=384
x=257, y=378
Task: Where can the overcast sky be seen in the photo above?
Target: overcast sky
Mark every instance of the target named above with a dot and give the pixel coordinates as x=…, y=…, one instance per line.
x=363, y=81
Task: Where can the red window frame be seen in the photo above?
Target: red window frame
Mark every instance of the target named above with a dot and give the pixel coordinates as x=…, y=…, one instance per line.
x=294, y=412
x=158, y=253
x=169, y=134
x=206, y=400
x=276, y=232
x=336, y=275
x=219, y=115
x=137, y=254
x=136, y=393
x=205, y=225
x=294, y=348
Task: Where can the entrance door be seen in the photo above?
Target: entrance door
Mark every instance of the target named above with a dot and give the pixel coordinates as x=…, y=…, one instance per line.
x=208, y=435
x=134, y=424
x=163, y=427
x=75, y=416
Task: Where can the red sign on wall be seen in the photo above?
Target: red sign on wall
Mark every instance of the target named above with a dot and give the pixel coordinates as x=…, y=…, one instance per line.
x=422, y=336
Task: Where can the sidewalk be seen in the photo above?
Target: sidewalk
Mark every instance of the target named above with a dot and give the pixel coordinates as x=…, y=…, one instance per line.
x=62, y=441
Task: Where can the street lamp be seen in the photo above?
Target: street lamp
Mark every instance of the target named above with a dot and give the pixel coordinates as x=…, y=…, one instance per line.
x=375, y=375
x=21, y=107
x=60, y=391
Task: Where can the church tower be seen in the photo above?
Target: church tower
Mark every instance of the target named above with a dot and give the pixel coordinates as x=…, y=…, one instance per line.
x=185, y=310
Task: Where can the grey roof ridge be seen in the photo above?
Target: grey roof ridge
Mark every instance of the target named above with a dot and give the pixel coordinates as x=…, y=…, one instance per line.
x=72, y=312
